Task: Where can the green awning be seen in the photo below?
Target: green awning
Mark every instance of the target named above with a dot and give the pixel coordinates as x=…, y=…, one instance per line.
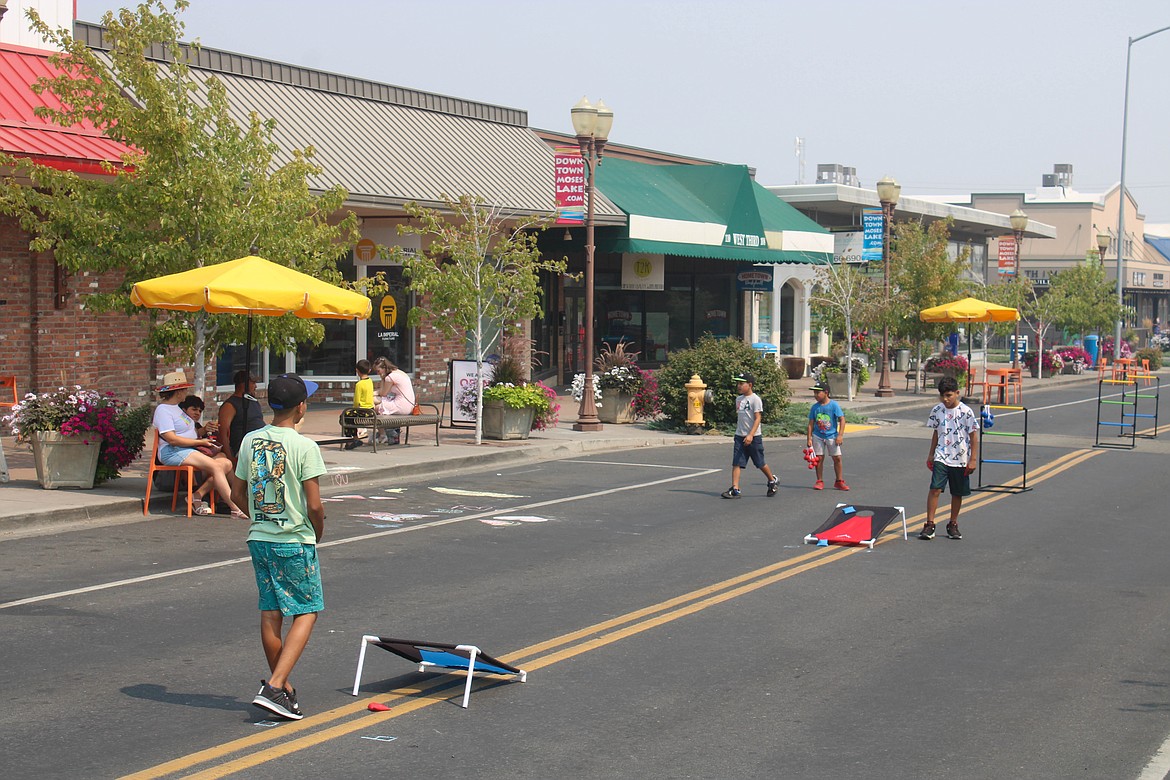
x=714, y=211
x=621, y=245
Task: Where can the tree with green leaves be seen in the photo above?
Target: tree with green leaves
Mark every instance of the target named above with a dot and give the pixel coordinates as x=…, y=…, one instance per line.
x=923, y=274
x=1089, y=299
x=193, y=189
x=478, y=275
x=843, y=295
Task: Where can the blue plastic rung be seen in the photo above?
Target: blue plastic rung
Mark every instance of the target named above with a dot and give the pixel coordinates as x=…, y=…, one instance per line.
x=1134, y=414
x=1117, y=425
x=1009, y=462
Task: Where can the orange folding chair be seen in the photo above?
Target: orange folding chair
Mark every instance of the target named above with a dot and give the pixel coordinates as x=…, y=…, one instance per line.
x=994, y=391
x=973, y=382
x=1143, y=374
x=155, y=465
x=1103, y=368
x=8, y=397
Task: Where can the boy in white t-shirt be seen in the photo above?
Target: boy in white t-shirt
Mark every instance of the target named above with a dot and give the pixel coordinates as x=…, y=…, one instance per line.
x=954, y=452
x=748, y=443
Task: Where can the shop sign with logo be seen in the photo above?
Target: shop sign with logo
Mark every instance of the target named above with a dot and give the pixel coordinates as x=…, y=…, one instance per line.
x=1007, y=255
x=754, y=280
x=569, y=168
x=745, y=239
x=872, y=228
x=643, y=272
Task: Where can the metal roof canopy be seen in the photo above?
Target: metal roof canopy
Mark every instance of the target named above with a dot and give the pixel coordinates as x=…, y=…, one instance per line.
x=386, y=145
x=80, y=148
x=840, y=205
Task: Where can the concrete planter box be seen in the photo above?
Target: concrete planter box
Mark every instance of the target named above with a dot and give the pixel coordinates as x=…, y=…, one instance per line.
x=66, y=461
x=616, y=406
x=503, y=422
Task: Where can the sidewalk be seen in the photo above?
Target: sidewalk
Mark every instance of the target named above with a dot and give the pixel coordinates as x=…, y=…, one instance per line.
x=23, y=503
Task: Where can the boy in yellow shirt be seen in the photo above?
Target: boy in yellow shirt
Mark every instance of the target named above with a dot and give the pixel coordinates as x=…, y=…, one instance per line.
x=363, y=399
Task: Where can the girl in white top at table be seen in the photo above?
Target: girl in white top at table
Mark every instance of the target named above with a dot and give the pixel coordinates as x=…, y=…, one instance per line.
x=177, y=432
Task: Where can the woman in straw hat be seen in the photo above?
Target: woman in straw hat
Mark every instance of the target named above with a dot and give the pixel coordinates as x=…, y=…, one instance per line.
x=180, y=439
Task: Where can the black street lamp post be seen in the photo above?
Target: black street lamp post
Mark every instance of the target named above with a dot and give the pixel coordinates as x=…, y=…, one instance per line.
x=888, y=191
x=591, y=124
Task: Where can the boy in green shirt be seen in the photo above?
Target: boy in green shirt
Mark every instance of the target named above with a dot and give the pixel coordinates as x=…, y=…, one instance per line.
x=278, y=488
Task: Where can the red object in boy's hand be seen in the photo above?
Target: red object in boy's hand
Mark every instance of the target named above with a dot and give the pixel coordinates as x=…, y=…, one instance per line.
x=810, y=457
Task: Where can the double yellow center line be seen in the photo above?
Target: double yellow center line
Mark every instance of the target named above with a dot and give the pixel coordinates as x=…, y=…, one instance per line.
x=315, y=729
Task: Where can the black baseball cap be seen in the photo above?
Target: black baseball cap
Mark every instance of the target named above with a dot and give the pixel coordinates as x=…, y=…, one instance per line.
x=744, y=376
x=288, y=390
x=820, y=387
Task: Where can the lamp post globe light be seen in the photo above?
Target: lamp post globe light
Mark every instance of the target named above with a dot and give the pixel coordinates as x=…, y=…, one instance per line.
x=888, y=191
x=1019, y=222
x=1121, y=196
x=591, y=123
x=1103, y=239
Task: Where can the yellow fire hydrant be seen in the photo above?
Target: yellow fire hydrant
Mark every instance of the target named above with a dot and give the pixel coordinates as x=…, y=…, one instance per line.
x=696, y=395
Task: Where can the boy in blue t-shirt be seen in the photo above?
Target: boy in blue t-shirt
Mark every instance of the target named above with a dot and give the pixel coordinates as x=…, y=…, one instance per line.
x=826, y=431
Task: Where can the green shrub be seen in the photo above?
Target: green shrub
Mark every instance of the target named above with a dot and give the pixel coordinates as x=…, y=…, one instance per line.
x=716, y=361
x=1152, y=354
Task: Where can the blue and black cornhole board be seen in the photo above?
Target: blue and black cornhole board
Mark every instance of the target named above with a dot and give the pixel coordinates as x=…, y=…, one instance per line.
x=854, y=524
x=439, y=656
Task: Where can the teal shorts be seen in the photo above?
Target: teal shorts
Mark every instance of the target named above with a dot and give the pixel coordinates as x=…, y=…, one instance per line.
x=288, y=577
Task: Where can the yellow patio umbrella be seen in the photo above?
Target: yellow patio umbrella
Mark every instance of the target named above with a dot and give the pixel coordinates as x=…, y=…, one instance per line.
x=969, y=310
x=251, y=285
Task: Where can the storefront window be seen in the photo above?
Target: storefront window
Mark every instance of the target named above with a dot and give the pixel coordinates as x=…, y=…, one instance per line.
x=386, y=332
x=335, y=355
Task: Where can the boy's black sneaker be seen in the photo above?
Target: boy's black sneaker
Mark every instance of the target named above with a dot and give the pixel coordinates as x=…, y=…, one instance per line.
x=773, y=486
x=730, y=493
x=292, y=697
x=277, y=702
x=953, y=531
x=927, y=531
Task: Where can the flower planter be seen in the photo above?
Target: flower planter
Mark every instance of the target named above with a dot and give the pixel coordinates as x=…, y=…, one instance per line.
x=838, y=384
x=65, y=461
x=616, y=406
x=1073, y=368
x=793, y=365
x=504, y=422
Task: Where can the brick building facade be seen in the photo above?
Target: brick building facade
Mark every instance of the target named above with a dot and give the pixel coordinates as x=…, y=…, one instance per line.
x=47, y=337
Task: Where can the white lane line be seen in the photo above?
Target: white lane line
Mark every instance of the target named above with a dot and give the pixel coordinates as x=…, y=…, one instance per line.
x=1159, y=765
x=434, y=524
x=622, y=463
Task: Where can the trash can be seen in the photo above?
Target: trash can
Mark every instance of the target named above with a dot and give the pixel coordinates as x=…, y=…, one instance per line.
x=902, y=360
x=766, y=349
x=1091, y=346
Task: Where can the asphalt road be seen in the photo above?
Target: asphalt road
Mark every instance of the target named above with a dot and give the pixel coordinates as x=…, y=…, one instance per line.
x=667, y=633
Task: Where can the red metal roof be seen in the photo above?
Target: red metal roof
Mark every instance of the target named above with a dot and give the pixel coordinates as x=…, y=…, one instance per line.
x=79, y=148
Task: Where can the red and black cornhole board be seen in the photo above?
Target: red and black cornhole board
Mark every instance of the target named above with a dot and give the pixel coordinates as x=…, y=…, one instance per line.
x=855, y=524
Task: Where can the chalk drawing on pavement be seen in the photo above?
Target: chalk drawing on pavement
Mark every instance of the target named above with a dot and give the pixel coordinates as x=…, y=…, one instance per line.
x=477, y=493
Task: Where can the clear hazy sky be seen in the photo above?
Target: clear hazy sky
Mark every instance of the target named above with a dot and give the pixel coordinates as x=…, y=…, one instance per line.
x=947, y=96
